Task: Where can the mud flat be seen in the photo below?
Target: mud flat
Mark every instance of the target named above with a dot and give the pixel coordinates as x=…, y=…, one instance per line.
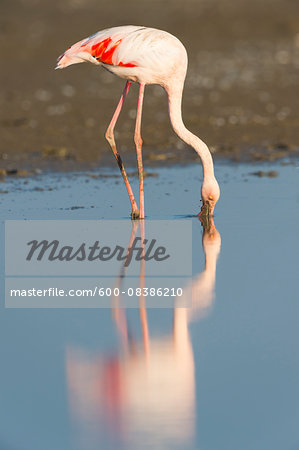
x=239, y=94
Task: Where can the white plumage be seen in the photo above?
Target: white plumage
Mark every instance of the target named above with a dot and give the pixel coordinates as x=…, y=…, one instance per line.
x=153, y=53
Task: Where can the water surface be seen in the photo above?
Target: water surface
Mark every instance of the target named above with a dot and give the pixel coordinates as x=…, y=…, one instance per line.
x=222, y=374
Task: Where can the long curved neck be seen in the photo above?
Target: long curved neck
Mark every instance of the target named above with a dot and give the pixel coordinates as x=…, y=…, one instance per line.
x=175, y=114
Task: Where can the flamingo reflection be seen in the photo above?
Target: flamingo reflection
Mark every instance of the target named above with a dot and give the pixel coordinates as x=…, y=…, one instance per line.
x=146, y=392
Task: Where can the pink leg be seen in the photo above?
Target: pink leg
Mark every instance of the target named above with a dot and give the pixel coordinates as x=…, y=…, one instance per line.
x=138, y=143
x=110, y=138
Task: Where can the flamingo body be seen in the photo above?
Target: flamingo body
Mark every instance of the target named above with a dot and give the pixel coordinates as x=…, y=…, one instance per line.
x=141, y=54
x=146, y=56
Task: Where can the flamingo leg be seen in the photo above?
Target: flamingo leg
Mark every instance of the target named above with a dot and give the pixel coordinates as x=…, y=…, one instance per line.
x=138, y=143
x=110, y=138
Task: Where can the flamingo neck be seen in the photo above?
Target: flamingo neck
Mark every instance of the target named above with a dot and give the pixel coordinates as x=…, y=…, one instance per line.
x=175, y=114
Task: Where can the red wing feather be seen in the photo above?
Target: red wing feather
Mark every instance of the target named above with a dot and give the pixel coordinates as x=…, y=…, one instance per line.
x=100, y=52
x=101, y=48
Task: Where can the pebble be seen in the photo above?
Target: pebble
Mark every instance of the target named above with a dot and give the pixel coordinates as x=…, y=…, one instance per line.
x=43, y=95
x=68, y=90
x=262, y=173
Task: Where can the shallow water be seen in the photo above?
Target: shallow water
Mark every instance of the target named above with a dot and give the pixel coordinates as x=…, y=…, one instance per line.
x=222, y=374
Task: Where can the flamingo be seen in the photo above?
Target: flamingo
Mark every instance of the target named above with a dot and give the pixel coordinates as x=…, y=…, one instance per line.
x=146, y=56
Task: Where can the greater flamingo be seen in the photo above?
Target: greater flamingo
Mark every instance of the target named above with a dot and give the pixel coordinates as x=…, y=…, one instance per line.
x=146, y=56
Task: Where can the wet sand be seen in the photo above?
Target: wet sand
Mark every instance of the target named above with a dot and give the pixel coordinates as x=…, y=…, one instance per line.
x=240, y=92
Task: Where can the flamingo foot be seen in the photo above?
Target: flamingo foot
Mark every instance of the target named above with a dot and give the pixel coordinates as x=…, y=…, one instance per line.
x=135, y=214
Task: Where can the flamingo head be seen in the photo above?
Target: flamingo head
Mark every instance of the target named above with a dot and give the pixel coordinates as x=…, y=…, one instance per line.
x=210, y=193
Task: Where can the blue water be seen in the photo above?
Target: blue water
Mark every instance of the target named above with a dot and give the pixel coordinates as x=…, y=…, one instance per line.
x=220, y=375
